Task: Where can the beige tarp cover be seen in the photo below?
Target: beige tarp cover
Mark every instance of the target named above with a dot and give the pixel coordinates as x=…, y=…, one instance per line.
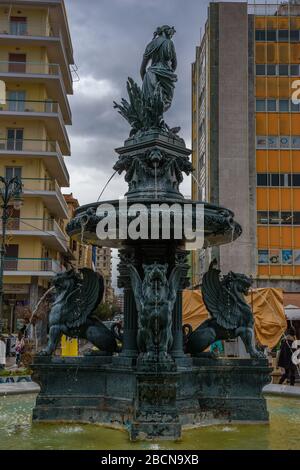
x=267, y=304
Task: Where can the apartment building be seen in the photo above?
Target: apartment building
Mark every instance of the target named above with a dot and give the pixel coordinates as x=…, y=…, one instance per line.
x=102, y=258
x=246, y=136
x=35, y=58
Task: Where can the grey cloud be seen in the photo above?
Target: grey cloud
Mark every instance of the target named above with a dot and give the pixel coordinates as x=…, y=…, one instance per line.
x=109, y=38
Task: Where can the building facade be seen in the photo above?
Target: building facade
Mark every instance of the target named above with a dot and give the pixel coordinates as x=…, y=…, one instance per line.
x=102, y=258
x=80, y=254
x=246, y=136
x=35, y=58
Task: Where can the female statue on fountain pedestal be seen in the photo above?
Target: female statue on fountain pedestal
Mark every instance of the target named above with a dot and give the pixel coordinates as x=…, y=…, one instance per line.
x=160, y=76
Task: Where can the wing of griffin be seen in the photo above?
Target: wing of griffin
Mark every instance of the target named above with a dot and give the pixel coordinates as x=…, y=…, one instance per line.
x=89, y=295
x=218, y=300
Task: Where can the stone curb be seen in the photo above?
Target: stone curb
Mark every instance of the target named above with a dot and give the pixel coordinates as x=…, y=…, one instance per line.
x=282, y=390
x=19, y=388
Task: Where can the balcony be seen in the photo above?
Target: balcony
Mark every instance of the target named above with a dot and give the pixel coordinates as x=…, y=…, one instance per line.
x=47, y=229
x=47, y=111
x=41, y=267
x=40, y=72
x=41, y=34
x=49, y=191
x=48, y=151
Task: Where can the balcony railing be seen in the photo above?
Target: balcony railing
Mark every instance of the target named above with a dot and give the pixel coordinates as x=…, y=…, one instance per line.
x=30, y=106
x=30, y=145
x=33, y=265
x=33, y=68
x=44, y=184
x=28, y=28
x=34, y=224
x=35, y=146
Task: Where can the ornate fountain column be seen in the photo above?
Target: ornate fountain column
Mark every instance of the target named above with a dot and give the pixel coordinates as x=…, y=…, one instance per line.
x=129, y=352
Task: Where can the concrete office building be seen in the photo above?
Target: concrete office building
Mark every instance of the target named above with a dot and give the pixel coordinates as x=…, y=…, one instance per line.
x=246, y=137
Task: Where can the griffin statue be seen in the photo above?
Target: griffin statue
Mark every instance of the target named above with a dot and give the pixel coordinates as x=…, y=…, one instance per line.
x=231, y=316
x=155, y=297
x=76, y=297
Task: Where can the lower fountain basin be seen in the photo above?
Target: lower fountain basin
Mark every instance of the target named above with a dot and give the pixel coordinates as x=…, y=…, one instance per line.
x=214, y=224
x=19, y=433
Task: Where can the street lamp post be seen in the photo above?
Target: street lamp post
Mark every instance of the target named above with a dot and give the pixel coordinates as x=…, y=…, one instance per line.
x=10, y=190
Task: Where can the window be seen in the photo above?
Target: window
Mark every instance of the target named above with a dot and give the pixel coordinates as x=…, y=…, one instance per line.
x=274, y=218
x=294, y=70
x=15, y=139
x=283, y=35
x=296, y=218
x=294, y=35
x=283, y=69
x=260, y=35
x=260, y=70
x=295, y=142
x=260, y=105
x=271, y=105
x=262, y=179
x=12, y=172
x=262, y=218
x=18, y=25
x=295, y=108
x=16, y=101
x=296, y=179
x=284, y=106
x=271, y=35
x=275, y=180
x=271, y=69
x=286, y=218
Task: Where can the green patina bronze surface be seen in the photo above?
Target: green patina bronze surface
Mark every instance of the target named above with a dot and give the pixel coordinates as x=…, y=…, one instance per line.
x=152, y=387
x=231, y=316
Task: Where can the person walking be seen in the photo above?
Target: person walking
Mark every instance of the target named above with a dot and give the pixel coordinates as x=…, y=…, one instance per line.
x=19, y=348
x=2, y=352
x=285, y=358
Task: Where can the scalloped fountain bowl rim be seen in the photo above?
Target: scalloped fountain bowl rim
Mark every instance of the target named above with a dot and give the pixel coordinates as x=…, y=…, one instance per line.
x=220, y=228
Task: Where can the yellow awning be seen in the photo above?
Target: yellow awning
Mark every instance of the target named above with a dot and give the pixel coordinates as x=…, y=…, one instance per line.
x=267, y=306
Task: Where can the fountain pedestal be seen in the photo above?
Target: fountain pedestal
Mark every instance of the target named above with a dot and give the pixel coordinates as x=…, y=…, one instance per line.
x=152, y=405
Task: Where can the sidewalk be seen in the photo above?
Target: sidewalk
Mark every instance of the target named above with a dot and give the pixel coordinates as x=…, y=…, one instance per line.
x=282, y=390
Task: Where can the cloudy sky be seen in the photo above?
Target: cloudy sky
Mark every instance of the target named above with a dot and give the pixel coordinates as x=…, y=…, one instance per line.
x=109, y=38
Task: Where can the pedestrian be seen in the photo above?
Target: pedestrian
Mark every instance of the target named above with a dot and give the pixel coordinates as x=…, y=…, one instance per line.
x=2, y=352
x=285, y=358
x=19, y=348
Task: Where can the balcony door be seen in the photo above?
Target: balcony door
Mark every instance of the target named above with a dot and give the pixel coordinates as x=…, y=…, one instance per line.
x=18, y=25
x=15, y=139
x=17, y=63
x=11, y=258
x=16, y=101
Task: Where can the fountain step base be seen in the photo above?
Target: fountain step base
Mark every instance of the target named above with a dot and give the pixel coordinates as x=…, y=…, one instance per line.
x=149, y=405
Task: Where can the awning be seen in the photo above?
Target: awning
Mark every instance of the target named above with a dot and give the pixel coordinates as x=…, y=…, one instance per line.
x=267, y=306
x=292, y=312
